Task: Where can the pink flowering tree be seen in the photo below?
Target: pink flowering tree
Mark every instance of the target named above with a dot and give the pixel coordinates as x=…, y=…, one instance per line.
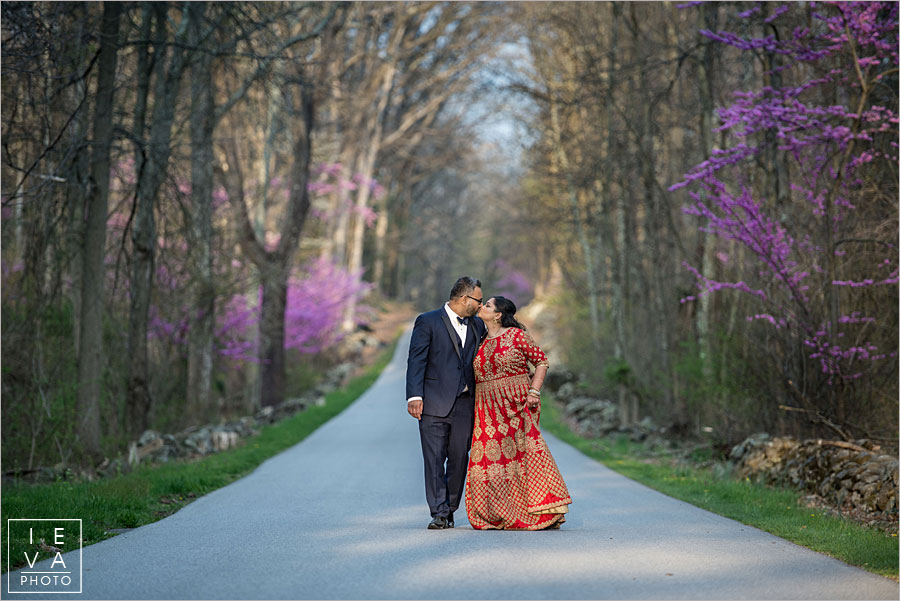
x=511, y=283
x=819, y=261
x=318, y=292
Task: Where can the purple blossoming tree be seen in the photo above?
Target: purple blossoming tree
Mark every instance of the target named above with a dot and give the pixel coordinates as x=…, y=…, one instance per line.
x=821, y=265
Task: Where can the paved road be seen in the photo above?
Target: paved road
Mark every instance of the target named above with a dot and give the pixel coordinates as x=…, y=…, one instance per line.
x=342, y=515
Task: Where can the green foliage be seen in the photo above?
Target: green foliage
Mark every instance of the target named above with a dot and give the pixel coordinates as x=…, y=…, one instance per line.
x=617, y=372
x=303, y=371
x=718, y=391
x=580, y=354
x=58, y=321
x=39, y=385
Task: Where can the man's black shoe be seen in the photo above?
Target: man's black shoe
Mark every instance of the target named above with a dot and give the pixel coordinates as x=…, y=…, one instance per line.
x=450, y=521
x=438, y=523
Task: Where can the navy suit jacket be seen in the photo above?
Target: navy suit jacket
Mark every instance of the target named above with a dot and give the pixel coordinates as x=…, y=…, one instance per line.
x=436, y=365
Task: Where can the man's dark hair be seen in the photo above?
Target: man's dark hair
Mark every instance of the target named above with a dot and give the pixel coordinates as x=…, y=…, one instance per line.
x=464, y=286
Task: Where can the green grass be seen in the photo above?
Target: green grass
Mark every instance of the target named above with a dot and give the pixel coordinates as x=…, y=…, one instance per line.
x=152, y=492
x=774, y=510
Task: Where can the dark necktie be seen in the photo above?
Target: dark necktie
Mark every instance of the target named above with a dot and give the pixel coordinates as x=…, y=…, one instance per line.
x=463, y=320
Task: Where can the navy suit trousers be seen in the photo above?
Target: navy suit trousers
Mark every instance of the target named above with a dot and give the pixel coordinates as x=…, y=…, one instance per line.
x=447, y=440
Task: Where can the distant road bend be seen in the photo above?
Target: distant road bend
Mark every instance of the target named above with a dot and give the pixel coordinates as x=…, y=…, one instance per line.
x=342, y=515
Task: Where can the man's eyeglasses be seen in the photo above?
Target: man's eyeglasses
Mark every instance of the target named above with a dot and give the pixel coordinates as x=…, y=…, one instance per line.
x=477, y=300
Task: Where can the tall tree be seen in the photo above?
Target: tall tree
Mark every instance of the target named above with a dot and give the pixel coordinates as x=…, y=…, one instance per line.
x=275, y=265
x=90, y=357
x=170, y=60
x=202, y=122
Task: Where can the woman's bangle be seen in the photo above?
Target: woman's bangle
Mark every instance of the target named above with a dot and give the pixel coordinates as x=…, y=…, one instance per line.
x=534, y=393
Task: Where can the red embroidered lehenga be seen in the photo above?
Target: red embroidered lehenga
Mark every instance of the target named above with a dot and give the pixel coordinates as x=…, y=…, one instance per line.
x=513, y=482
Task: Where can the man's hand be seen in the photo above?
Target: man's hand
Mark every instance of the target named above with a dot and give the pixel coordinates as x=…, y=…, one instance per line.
x=415, y=408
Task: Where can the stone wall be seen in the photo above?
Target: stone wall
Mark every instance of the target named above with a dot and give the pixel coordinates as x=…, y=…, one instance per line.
x=595, y=418
x=854, y=475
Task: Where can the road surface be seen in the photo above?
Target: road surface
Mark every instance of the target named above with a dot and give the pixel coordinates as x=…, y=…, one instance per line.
x=342, y=515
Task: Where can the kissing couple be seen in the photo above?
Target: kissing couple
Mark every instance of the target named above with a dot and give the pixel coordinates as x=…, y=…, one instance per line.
x=473, y=383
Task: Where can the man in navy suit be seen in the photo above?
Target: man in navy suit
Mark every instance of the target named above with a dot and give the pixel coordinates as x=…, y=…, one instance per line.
x=440, y=392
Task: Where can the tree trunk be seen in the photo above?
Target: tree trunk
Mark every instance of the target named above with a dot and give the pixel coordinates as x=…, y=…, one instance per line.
x=90, y=359
x=200, y=344
x=275, y=273
x=706, y=240
x=271, y=329
x=776, y=159
x=366, y=173
x=78, y=171
x=143, y=235
x=644, y=131
x=381, y=231
x=341, y=211
x=359, y=229
x=621, y=246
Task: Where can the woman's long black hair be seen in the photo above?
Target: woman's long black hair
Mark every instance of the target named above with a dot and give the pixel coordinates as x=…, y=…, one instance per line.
x=507, y=310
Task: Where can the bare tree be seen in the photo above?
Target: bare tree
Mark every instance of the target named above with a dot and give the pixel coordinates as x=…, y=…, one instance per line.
x=171, y=59
x=274, y=265
x=202, y=123
x=90, y=359
x=403, y=63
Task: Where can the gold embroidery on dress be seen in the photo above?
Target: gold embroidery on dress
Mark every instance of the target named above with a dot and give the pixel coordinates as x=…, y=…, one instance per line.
x=477, y=451
x=508, y=445
x=495, y=471
x=520, y=441
x=492, y=450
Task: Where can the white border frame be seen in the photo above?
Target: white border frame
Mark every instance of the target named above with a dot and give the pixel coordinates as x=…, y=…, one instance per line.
x=80, y=556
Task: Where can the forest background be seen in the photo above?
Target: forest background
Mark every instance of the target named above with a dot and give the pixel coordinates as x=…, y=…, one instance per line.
x=201, y=200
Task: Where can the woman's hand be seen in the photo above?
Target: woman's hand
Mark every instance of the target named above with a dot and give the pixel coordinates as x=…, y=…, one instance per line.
x=533, y=399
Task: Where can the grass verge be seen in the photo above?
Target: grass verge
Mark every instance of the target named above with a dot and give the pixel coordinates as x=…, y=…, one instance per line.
x=152, y=492
x=775, y=510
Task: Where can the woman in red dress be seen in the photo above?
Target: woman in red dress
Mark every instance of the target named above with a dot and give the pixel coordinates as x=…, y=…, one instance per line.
x=512, y=482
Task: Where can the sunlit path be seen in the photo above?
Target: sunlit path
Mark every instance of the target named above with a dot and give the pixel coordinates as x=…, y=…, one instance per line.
x=342, y=515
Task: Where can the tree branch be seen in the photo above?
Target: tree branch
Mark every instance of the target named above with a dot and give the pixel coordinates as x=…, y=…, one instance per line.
x=264, y=66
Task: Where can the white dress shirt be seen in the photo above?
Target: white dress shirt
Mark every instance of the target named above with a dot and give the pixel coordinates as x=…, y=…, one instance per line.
x=461, y=328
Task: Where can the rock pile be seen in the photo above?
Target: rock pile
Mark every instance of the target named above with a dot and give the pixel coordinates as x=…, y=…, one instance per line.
x=855, y=475
x=198, y=441
x=594, y=417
